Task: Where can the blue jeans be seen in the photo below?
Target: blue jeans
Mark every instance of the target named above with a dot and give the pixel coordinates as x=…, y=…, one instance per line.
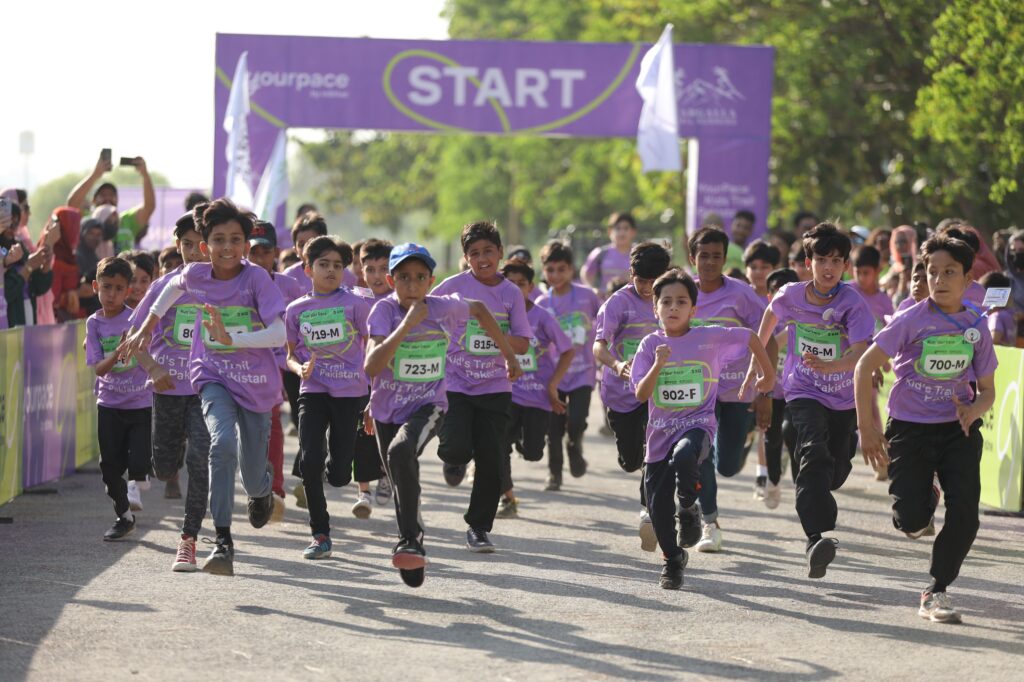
x=237, y=437
x=728, y=454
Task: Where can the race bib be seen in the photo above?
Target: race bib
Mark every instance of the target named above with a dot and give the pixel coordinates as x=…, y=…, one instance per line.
x=629, y=347
x=679, y=387
x=109, y=345
x=322, y=326
x=528, y=361
x=477, y=340
x=420, y=361
x=944, y=357
x=821, y=343
x=237, y=319
x=185, y=324
x=575, y=327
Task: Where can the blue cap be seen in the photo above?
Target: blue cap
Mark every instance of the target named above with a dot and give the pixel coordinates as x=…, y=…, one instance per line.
x=403, y=252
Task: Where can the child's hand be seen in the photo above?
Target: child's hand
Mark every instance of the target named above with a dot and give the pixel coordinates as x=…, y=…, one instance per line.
x=215, y=326
x=514, y=370
x=765, y=384
x=135, y=341
x=762, y=409
x=812, y=361
x=307, y=368
x=367, y=422
x=418, y=312
x=557, y=406
x=877, y=380
x=874, y=445
x=661, y=354
x=623, y=369
x=966, y=415
x=162, y=381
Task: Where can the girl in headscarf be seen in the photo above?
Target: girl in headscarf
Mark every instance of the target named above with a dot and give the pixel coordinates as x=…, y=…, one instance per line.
x=902, y=256
x=65, y=266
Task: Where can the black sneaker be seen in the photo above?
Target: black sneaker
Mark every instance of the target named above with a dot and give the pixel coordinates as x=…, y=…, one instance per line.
x=819, y=555
x=577, y=465
x=477, y=541
x=410, y=560
x=689, y=526
x=260, y=510
x=672, y=573
x=454, y=473
x=222, y=559
x=120, y=528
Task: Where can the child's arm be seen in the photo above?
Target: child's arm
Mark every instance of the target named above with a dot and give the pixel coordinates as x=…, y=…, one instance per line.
x=764, y=360
x=103, y=367
x=381, y=350
x=766, y=338
x=872, y=441
x=162, y=380
x=508, y=345
x=271, y=336
x=984, y=398
x=139, y=339
x=605, y=357
x=645, y=387
x=564, y=360
x=303, y=369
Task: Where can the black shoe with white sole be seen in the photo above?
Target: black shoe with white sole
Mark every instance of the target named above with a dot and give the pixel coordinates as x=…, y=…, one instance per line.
x=819, y=555
x=477, y=541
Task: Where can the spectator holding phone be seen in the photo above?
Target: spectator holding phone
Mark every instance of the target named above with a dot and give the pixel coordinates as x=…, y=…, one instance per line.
x=128, y=227
x=25, y=275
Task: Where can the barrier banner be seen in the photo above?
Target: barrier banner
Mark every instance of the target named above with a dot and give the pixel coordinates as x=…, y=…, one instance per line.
x=12, y=413
x=51, y=381
x=86, y=443
x=1002, y=460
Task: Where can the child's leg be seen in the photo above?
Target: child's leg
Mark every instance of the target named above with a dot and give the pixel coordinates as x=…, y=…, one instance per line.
x=489, y=430
x=275, y=451
x=578, y=402
x=366, y=460
x=314, y=416
x=515, y=432
x=345, y=414
x=959, y=466
x=455, y=440
x=773, y=442
x=911, y=472
x=556, y=436
x=113, y=440
x=197, y=459
x=536, y=425
x=253, y=463
x=815, y=504
x=169, y=434
x=220, y=412
x=630, y=430
x=403, y=445
x=292, y=383
x=789, y=440
x=734, y=422
x=140, y=443
x=674, y=477
x=842, y=444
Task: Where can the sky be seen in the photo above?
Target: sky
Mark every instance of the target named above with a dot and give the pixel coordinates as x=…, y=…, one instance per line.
x=140, y=75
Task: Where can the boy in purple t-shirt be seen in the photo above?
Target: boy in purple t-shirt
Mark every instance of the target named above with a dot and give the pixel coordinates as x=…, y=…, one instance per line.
x=625, y=318
x=610, y=262
x=536, y=398
x=231, y=365
x=407, y=358
x=779, y=432
x=326, y=338
x=178, y=411
x=724, y=302
x=935, y=415
x=675, y=371
x=480, y=374
x=575, y=307
x=124, y=402
x=829, y=326
x=1001, y=321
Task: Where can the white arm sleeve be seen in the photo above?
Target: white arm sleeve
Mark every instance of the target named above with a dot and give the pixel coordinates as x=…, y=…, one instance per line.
x=168, y=297
x=273, y=336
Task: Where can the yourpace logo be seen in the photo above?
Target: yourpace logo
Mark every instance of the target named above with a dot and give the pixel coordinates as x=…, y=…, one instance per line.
x=315, y=84
x=708, y=102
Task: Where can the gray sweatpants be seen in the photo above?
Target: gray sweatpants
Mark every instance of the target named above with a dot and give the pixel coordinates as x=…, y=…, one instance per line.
x=180, y=435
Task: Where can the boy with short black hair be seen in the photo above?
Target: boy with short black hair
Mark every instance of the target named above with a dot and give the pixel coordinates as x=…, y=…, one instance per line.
x=829, y=326
x=622, y=321
x=1002, y=322
x=143, y=273
x=937, y=347
x=798, y=261
x=407, y=358
x=866, y=264
x=480, y=373
x=760, y=258
x=169, y=260
x=780, y=432
x=575, y=307
x=309, y=225
x=611, y=261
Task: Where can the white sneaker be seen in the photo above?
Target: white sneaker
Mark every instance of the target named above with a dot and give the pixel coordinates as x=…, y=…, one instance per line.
x=648, y=539
x=144, y=485
x=710, y=539
x=384, y=492
x=772, y=495
x=362, y=508
x=938, y=608
x=134, y=496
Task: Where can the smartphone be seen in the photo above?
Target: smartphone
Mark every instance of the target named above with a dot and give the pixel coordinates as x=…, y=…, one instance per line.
x=127, y=161
x=105, y=154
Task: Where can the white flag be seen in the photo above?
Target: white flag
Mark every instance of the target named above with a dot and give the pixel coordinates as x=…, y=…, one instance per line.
x=238, y=185
x=273, y=189
x=657, y=135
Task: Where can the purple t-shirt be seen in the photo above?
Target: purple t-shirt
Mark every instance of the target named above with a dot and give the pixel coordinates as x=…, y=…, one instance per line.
x=975, y=295
x=298, y=273
x=420, y=359
x=734, y=304
x=334, y=327
x=123, y=387
x=1002, y=319
x=475, y=365
x=933, y=361
x=610, y=262
x=546, y=346
x=576, y=313
x=248, y=302
x=622, y=321
x=535, y=293
x=172, y=336
x=880, y=305
x=687, y=388
x=290, y=290
x=825, y=330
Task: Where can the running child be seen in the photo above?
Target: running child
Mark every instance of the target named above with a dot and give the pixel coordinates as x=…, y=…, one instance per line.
x=575, y=307
x=829, y=326
x=326, y=340
x=143, y=274
x=675, y=371
x=170, y=259
x=231, y=365
x=179, y=431
x=480, y=371
x=1001, y=321
x=611, y=261
x=780, y=431
x=760, y=259
x=625, y=318
x=725, y=302
x=918, y=289
x=407, y=358
x=798, y=261
x=124, y=403
x=536, y=397
x=934, y=427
